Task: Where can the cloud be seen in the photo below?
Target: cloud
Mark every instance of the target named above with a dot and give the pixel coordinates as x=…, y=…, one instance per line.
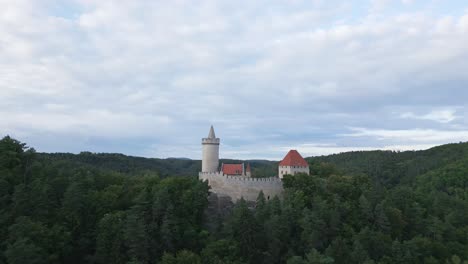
x=161, y=72
x=378, y=5
x=407, y=2
x=86, y=122
x=412, y=135
x=441, y=116
x=308, y=150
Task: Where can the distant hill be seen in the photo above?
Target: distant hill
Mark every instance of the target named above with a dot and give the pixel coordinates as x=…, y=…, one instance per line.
x=392, y=167
x=179, y=158
x=127, y=164
x=385, y=167
x=135, y=165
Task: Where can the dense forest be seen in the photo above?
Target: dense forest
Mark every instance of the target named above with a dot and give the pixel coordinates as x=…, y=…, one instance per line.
x=357, y=207
x=137, y=165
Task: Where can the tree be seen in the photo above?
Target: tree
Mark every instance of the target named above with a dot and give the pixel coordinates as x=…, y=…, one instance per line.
x=24, y=250
x=313, y=228
x=136, y=237
x=315, y=257
x=261, y=210
x=220, y=252
x=381, y=220
x=182, y=257
x=246, y=233
x=110, y=244
x=366, y=209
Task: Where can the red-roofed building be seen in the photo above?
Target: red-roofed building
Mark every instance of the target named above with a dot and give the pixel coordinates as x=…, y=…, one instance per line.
x=236, y=169
x=293, y=163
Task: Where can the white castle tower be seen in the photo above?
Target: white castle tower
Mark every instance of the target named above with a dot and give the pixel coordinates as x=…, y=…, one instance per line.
x=210, y=160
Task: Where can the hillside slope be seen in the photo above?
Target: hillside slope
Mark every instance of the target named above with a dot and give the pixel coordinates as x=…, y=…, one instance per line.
x=391, y=168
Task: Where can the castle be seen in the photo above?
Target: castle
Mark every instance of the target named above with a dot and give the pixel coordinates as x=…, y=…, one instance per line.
x=236, y=181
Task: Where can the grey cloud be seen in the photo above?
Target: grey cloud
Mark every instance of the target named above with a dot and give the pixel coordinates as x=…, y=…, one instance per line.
x=163, y=71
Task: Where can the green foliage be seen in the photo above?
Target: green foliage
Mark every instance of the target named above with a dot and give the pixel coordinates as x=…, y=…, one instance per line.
x=245, y=232
x=132, y=166
x=359, y=207
x=219, y=252
x=25, y=251
x=182, y=257
x=314, y=257
x=62, y=211
x=110, y=241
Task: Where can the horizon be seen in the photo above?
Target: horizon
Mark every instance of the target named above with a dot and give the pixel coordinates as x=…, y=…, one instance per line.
x=148, y=78
x=252, y=159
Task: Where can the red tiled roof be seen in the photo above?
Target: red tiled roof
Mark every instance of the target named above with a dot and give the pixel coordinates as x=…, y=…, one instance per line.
x=293, y=158
x=232, y=169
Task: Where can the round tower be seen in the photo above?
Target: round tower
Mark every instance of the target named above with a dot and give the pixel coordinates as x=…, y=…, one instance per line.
x=210, y=159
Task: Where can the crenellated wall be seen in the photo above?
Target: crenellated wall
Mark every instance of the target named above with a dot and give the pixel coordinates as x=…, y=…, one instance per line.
x=237, y=187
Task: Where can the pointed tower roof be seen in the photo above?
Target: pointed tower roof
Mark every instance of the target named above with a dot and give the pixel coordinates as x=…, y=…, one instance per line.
x=293, y=158
x=248, y=167
x=212, y=133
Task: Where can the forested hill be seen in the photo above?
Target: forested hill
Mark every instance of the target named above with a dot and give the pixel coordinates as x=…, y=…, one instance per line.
x=386, y=167
x=127, y=164
x=359, y=207
x=391, y=168
x=130, y=165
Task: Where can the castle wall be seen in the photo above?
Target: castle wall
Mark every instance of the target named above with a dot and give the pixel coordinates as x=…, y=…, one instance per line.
x=248, y=188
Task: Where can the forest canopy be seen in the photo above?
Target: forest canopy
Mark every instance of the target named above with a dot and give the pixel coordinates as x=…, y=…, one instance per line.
x=357, y=207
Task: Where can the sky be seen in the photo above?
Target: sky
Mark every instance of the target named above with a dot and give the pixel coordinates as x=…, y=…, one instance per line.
x=148, y=78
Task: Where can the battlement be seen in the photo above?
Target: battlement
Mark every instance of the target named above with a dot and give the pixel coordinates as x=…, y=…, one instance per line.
x=201, y=173
x=239, y=186
x=241, y=178
x=208, y=175
x=210, y=141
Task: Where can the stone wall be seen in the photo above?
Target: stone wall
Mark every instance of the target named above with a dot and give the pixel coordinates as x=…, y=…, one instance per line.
x=237, y=187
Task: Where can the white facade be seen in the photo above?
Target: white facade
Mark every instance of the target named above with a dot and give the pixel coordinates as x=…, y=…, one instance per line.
x=291, y=170
x=210, y=159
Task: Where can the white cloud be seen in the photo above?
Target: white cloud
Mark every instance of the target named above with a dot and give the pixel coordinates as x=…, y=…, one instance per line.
x=308, y=150
x=441, y=116
x=412, y=135
x=407, y=2
x=378, y=5
x=161, y=70
x=92, y=122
